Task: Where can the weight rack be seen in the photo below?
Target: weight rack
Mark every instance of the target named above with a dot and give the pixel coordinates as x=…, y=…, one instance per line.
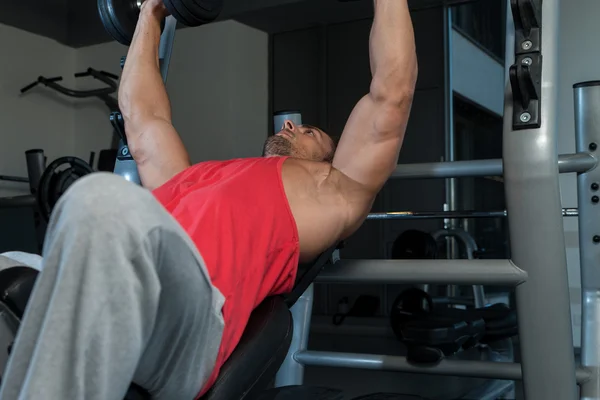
x=538, y=268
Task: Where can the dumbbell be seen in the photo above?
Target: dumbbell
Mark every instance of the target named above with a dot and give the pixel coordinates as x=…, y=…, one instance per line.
x=120, y=17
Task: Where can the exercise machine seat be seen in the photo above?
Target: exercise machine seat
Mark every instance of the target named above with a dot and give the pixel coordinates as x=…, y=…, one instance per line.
x=248, y=371
x=257, y=358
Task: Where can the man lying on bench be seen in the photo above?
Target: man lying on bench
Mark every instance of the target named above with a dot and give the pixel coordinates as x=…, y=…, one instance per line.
x=156, y=286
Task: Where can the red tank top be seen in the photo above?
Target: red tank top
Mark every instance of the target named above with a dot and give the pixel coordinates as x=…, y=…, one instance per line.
x=237, y=214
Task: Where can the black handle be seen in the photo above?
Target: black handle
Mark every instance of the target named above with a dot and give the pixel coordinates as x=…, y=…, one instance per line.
x=112, y=76
x=43, y=80
x=56, y=79
x=82, y=74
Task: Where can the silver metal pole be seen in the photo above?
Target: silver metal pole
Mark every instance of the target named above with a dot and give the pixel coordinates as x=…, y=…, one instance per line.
x=404, y=215
x=450, y=142
x=537, y=235
x=166, y=46
x=447, y=367
x=458, y=169
x=587, y=129
x=466, y=272
x=578, y=162
x=291, y=371
x=567, y=163
x=470, y=247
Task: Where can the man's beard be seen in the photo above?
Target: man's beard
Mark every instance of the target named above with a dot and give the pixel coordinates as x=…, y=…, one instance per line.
x=277, y=146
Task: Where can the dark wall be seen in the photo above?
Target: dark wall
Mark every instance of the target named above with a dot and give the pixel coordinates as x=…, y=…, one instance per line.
x=76, y=23
x=43, y=17
x=323, y=72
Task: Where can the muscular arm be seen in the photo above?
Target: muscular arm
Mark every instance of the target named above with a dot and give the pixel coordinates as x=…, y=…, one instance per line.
x=144, y=103
x=370, y=144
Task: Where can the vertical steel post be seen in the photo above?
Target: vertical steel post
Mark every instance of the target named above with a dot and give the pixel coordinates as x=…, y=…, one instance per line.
x=470, y=248
x=587, y=129
x=450, y=140
x=291, y=372
x=167, y=40
x=536, y=231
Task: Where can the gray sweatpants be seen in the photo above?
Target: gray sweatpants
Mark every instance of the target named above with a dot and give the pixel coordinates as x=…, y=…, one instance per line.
x=123, y=296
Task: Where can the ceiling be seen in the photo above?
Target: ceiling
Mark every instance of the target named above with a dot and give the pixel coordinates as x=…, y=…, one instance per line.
x=76, y=22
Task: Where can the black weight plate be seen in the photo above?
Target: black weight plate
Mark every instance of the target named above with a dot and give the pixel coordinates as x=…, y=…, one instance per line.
x=198, y=11
x=119, y=18
x=107, y=21
x=108, y=25
x=204, y=10
x=56, y=179
x=180, y=13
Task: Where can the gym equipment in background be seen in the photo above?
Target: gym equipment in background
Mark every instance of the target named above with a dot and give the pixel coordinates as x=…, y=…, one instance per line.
x=103, y=94
x=280, y=117
x=432, y=329
x=46, y=184
x=57, y=178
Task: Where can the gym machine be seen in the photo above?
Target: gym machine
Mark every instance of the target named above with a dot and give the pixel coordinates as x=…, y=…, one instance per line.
x=46, y=185
x=538, y=268
x=103, y=94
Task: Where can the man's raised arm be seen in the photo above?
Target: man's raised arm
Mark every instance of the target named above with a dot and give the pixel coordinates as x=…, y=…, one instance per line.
x=144, y=103
x=370, y=144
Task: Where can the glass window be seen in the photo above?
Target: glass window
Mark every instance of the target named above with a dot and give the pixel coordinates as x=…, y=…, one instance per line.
x=484, y=22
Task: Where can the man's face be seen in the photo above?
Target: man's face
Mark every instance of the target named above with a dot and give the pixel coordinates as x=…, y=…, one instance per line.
x=300, y=141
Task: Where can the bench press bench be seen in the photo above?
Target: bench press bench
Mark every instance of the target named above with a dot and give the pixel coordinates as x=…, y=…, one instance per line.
x=251, y=367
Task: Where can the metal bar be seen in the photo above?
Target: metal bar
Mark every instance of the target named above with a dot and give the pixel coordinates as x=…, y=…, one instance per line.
x=36, y=164
x=457, y=169
x=467, y=272
x=567, y=163
x=404, y=215
x=537, y=233
x=470, y=247
x=579, y=162
x=166, y=46
x=447, y=367
x=450, y=139
x=291, y=371
x=9, y=178
x=587, y=130
x=18, y=201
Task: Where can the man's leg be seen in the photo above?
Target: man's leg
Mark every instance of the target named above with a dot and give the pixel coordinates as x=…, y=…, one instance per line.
x=123, y=296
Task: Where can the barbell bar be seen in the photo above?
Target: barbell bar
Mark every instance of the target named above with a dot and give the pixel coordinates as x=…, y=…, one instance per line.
x=408, y=215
